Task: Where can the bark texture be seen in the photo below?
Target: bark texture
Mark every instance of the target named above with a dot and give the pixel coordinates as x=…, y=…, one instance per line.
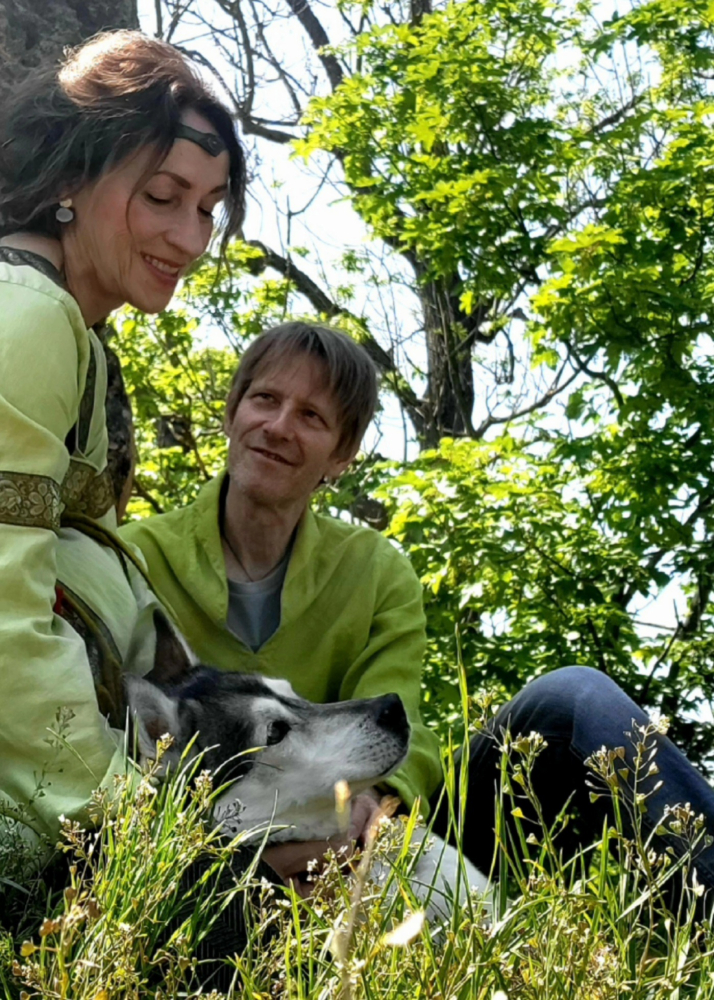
x=34, y=32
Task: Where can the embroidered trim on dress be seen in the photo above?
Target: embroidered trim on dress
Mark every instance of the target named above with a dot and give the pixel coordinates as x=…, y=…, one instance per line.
x=28, y=258
x=86, y=492
x=29, y=501
x=33, y=501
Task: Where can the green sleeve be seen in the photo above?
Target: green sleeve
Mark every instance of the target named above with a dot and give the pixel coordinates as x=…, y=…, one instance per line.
x=392, y=663
x=43, y=663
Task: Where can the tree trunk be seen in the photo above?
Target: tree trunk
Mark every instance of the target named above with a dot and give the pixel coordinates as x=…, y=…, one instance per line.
x=449, y=401
x=33, y=33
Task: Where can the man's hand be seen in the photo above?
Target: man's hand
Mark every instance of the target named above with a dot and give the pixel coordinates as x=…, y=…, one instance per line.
x=365, y=810
x=293, y=859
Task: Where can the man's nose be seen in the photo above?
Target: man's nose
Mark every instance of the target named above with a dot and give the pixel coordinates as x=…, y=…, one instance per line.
x=282, y=423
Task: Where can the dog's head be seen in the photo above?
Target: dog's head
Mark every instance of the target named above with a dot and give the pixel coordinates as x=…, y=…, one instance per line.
x=305, y=749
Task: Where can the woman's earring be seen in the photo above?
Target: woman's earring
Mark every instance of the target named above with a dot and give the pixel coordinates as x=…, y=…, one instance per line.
x=65, y=212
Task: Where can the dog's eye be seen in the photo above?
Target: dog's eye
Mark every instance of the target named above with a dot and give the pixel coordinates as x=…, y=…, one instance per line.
x=277, y=731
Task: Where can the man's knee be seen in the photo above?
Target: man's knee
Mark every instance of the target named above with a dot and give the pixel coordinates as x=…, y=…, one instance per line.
x=572, y=684
x=550, y=703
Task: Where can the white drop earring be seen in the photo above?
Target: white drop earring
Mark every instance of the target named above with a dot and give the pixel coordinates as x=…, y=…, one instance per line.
x=65, y=212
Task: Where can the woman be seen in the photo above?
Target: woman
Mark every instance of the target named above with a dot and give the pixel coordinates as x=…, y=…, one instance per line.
x=110, y=173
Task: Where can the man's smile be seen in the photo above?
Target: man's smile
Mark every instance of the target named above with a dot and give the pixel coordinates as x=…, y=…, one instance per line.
x=274, y=456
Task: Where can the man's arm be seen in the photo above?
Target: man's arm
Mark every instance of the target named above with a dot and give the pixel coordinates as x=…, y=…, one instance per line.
x=391, y=662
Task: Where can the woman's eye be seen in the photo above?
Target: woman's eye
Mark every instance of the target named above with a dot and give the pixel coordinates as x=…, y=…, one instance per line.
x=153, y=200
x=277, y=731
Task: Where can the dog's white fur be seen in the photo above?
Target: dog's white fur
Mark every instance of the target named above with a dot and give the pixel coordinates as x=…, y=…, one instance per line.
x=291, y=781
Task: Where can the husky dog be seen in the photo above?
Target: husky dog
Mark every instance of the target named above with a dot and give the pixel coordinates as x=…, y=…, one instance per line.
x=304, y=750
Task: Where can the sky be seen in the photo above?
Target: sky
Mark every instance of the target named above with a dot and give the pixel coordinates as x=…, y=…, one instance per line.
x=280, y=188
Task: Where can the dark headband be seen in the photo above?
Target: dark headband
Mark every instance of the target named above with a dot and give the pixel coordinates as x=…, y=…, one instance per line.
x=212, y=143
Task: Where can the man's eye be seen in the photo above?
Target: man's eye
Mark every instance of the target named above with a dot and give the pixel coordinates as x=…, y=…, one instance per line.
x=277, y=731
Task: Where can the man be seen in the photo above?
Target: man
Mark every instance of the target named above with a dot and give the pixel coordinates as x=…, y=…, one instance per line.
x=259, y=583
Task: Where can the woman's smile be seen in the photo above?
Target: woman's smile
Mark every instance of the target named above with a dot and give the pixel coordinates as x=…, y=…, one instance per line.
x=165, y=273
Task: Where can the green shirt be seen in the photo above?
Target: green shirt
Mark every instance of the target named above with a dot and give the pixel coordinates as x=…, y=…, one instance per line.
x=351, y=625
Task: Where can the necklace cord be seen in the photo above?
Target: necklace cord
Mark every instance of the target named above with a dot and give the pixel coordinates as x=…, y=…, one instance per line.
x=226, y=539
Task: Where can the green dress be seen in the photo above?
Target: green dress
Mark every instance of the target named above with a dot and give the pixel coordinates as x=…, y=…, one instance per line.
x=53, y=456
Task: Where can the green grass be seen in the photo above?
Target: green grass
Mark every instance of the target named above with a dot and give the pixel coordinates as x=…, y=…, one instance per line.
x=151, y=879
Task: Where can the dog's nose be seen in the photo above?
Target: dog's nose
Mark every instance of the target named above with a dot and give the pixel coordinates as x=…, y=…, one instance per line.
x=390, y=713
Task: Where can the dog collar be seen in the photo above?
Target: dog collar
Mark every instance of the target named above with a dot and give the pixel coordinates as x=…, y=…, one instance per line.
x=212, y=143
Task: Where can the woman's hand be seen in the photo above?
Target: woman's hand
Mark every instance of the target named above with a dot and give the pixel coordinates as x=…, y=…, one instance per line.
x=294, y=859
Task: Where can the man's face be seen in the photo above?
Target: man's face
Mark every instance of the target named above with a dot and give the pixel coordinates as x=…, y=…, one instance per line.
x=284, y=433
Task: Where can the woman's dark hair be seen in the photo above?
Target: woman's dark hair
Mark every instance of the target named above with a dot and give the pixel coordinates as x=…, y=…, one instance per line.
x=350, y=374
x=110, y=97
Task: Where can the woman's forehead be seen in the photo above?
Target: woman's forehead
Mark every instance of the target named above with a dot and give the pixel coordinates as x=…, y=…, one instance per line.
x=186, y=164
x=191, y=166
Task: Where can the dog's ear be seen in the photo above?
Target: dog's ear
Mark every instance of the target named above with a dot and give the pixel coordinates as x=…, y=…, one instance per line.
x=172, y=663
x=155, y=713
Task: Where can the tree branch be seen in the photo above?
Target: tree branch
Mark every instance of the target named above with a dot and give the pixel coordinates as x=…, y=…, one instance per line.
x=142, y=491
x=323, y=304
x=601, y=376
x=616, y=116
x=555, y=389
x=625, y=595
x=275, y=63
x=318, y=36
x=252, y=127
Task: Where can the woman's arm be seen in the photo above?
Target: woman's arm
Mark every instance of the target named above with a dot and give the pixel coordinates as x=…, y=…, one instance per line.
x=46, y=678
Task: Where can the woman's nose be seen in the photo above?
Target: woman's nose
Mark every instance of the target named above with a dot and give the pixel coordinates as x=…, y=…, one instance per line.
x=189, y=236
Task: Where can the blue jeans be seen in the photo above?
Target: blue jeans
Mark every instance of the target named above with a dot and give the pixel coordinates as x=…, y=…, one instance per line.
x=577, y=710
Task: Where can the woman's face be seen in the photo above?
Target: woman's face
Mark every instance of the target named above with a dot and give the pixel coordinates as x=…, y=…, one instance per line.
x=129, y=244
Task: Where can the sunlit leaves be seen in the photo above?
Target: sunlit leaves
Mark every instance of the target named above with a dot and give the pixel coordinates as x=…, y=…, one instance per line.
x=549, y=178
x=540, y=558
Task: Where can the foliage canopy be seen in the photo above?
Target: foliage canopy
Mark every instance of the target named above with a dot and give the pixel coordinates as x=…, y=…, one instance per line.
x=540, y=181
